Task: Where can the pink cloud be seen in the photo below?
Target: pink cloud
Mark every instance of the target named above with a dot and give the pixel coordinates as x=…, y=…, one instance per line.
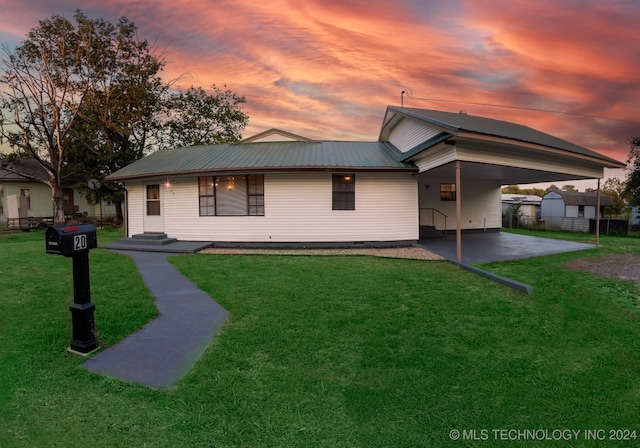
x=328, y=69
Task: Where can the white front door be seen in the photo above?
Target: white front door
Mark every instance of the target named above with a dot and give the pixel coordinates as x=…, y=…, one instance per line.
x=153, y=213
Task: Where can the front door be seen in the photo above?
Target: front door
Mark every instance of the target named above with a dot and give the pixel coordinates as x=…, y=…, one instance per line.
x=153, y=218
x=69, y=206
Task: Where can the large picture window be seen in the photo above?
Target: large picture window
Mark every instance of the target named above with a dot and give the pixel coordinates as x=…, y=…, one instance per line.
x=231, y=195
x=344, y=192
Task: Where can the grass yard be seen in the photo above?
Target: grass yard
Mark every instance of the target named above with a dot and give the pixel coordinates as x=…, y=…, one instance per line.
x=328, y=351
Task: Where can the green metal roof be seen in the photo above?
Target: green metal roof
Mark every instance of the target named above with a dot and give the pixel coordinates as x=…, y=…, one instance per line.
x=454, y=122
x=267, y=156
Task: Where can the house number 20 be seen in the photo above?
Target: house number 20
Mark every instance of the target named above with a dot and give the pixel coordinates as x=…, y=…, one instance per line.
x=79, y=242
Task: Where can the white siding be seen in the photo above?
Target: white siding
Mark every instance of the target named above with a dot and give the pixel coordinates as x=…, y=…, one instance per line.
x=635, y=215
x=435, y=157
x=481, y=204
x=297, y=209
x=571, y=211
x=409, y=133
x=552, y=207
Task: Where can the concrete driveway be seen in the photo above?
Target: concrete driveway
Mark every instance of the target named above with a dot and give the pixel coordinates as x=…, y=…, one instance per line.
x=498, y=246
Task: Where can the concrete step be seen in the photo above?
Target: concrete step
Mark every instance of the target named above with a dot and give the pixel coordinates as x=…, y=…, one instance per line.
x=149, y=236
x=155, y=239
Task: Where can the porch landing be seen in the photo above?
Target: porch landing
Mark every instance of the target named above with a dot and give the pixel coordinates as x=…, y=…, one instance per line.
x=157, y=242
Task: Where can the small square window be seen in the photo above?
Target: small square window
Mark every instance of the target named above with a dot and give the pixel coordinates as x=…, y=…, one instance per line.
x=447, y=192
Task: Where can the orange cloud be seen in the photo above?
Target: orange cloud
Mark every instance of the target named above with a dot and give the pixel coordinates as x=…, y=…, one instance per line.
x=328, y=68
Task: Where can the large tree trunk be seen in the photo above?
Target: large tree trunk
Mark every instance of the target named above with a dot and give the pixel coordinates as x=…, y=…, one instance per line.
x=58, y=205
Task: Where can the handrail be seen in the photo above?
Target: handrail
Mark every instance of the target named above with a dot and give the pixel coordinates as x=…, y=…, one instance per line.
x=433, y=216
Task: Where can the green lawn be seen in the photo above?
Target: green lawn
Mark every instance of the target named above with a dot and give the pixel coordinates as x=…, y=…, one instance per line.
x=349, y=351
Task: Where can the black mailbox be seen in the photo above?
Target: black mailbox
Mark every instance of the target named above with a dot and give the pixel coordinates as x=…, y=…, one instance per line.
x=70, y=240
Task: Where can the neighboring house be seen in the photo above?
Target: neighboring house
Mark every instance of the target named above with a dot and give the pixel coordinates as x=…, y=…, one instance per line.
x=529, y=206
x=26, y=202
x=558, y=205
x=635, y=216
x=277, y=187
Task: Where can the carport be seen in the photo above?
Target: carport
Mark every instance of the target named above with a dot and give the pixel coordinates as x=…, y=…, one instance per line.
x=475, y=154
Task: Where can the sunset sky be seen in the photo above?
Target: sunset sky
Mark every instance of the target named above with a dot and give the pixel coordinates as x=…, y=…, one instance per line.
x=327, y=69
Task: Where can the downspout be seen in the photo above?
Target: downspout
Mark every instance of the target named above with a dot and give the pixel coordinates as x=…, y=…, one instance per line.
x=598, y=216
x=126, y=213
x=458, y=216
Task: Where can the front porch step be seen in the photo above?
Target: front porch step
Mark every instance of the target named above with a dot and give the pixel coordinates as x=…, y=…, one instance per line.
x=153, y=239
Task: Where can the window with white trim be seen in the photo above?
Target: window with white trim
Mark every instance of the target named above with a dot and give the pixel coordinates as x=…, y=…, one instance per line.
x=344, y=191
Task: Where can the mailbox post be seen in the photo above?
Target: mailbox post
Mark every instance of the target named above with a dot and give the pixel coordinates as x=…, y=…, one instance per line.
x=76, y=241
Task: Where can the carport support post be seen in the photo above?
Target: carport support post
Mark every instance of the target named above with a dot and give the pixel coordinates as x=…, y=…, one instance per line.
x=458, y=215
x=84, y=334
x=598, y=216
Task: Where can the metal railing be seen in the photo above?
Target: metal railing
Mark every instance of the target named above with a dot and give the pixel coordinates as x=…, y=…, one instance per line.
x=433, y=216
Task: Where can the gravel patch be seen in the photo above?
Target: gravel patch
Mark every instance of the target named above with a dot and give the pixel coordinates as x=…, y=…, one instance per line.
x=414, y=253
x=621, y=266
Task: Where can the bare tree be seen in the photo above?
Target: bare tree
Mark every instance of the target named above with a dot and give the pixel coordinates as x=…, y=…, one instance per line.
x=44, y=82
x=86, y=99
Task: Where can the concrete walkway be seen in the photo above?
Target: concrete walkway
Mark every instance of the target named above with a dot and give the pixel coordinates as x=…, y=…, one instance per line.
x=166, y=349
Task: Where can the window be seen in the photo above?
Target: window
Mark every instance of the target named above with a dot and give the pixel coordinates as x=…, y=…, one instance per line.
x=256, y=195
x=207, y=197
x=26, y=193
x=581, y=211
x=344, y=192
x=447, y=192
x=153, y=200
x=231, y=195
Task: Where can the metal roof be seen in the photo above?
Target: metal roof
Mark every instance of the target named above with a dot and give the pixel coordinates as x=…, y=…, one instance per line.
x=23, y=169
x=521, y=198
x=267, y=156
x=583, y=198
x=455, y=122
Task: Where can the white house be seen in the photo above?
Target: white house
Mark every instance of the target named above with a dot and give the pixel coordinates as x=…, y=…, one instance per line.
x=635, y=216
x=568, y=209
x=428, y=169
